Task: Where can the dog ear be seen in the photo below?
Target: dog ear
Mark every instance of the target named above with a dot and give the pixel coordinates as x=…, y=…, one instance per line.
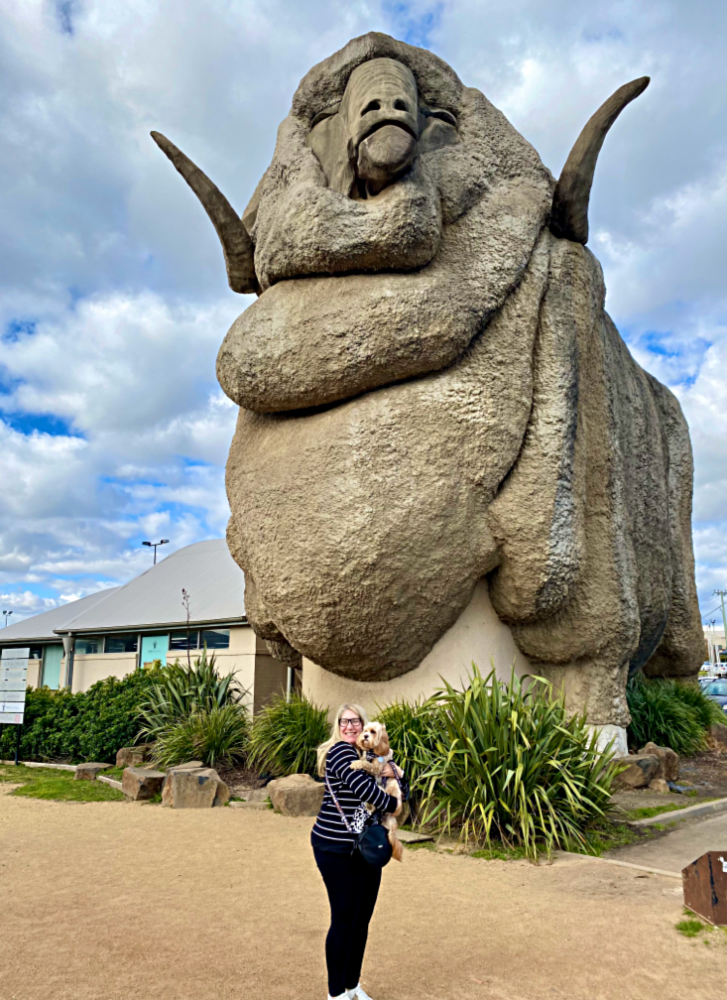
x=382, y=745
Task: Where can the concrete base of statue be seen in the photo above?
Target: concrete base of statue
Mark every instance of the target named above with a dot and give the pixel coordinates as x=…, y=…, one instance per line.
x=477, y=636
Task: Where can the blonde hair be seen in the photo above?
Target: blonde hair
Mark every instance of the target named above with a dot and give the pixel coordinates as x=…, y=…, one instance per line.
x=336, y=737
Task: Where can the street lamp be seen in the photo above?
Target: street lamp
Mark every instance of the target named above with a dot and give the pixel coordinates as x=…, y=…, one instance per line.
x=153, y=545
x=7, y=615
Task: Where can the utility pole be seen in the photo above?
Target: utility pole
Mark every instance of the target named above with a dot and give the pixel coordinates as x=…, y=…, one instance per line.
x=155, y=545
x=7, y=615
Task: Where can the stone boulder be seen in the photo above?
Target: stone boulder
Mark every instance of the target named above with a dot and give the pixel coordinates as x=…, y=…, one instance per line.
x=642, y=768
x=296, y=795
x=89, y=770
x=659, y=785
x=194, y=788
x=668, y=760
x=133, y=756
x=139, y=784
x=719, y=735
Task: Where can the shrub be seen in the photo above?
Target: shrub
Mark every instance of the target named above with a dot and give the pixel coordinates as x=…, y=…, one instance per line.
x=89, y=725
x=181, y=691
x=505, y=761
x=215, y=736
x=410, y=729
x=670, y=713
x=285, y=734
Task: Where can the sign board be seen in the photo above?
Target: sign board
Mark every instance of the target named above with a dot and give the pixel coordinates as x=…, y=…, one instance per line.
x=705, y=886
x=13, y=685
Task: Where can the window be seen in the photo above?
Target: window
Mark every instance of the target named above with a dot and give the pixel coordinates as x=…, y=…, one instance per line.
x=36, y=653
x=121, y=644
x=178, y=640
x=216, y=638
x=718, y=688
x=90, y=646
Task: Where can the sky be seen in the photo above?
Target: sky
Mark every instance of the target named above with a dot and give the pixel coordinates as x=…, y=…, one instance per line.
x=113, y=294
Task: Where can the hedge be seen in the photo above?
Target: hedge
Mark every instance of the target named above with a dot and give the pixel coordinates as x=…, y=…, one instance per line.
x=90, y=725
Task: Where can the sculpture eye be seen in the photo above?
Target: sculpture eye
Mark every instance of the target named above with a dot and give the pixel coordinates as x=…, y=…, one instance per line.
x=400, y=105
x=371, y=106
x=328, y=112
x=441, y=114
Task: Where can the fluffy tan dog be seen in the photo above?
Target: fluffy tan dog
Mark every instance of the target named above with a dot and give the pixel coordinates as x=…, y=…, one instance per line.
x=375, y=755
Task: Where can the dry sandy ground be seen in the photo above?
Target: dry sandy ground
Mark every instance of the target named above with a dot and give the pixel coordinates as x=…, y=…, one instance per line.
x=122, y=902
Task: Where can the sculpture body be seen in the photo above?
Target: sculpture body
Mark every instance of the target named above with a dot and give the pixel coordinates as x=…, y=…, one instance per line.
x=431, y=393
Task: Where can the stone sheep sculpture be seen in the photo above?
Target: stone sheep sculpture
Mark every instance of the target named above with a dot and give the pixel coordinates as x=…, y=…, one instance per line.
x=431, y=393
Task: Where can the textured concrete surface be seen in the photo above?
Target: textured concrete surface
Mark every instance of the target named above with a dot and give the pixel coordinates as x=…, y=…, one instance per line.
x=679, y=848
x=117, y=901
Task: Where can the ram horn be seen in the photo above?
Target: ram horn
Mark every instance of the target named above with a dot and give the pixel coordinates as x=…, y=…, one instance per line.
x=236, y=243
x=569, y=214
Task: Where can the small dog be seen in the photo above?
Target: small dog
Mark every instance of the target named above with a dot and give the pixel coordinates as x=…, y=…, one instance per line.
x=373, y=744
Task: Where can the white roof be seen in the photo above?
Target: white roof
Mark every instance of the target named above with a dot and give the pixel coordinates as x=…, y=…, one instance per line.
x=43, y=626
x=206, y=570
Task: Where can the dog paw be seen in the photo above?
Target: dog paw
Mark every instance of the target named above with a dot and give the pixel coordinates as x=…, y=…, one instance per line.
x=356, y=765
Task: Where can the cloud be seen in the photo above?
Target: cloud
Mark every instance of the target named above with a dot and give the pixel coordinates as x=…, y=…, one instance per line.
x=114, y=299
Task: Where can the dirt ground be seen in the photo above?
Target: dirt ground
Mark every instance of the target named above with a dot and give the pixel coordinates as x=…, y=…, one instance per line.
x=116, y=901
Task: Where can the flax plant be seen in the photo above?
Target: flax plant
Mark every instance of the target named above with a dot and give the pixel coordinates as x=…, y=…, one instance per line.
x=505, y=762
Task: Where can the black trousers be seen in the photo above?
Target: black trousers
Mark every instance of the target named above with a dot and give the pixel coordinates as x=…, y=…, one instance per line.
x=353, y=886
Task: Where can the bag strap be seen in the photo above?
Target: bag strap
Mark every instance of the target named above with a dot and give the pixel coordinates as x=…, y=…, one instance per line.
x=336, y=802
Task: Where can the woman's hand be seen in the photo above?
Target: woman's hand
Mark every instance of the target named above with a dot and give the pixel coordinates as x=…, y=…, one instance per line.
x=389, y=772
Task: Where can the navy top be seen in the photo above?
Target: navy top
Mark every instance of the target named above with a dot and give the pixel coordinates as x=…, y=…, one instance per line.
x=352, y=789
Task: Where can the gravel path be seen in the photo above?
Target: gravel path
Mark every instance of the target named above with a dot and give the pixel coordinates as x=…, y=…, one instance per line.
x=113, y=901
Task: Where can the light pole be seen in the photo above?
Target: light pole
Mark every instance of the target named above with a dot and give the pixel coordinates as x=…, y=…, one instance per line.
x=153, y=545
x=7, y=615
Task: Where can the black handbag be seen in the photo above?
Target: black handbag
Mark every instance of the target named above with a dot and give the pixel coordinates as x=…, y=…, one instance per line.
x=373, y=841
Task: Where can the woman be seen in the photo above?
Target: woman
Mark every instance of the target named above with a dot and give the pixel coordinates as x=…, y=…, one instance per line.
x=351, y=882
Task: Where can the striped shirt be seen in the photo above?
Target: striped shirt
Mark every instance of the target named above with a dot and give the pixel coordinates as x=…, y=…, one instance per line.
x=352, y=789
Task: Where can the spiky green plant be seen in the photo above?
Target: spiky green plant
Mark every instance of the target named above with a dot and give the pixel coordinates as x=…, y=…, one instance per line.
x=285, y=734
x=670, y=713
x=410, y=728
x=215, y=736
x=184, y=690
x=506, y=762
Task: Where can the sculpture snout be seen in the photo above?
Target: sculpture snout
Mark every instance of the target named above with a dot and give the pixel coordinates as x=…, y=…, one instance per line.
x=382, y=112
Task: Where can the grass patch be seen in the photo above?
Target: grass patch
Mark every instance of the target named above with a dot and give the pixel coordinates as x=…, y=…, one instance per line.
x=500, y=852
x=59, y=786
x=648, y=811
x=693, y=927
x=423, y=845
x=605, y=836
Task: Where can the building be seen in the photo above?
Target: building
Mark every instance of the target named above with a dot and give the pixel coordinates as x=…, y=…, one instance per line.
x=115, y=631
x=716, y=647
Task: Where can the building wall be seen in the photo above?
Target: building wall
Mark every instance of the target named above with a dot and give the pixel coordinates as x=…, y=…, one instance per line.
x=89, y=669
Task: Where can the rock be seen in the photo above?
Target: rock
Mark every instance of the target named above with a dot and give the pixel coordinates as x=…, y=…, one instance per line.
x=659, y=785
x=141, y=783
x=719, y=734
x=642, y=768
x=194, y=788
x=132, y=756
x=190, y=765
x=668, y=760
x=296, y=795
x=88, y=771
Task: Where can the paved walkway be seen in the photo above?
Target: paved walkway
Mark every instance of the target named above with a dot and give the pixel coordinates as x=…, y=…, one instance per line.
x=116, y=901
x=677, y=849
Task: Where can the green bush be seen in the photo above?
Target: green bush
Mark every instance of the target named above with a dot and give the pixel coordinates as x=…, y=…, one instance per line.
x=285, y=734
x=670, y=713
x=506, y=762
x=216, y=736
x=89, y=725
x=181, y=691
x=410, y=729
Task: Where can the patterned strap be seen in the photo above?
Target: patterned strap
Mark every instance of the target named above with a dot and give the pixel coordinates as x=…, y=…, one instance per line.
x=336, y=802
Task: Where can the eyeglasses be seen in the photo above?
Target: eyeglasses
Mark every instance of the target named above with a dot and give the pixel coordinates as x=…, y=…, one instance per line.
x=353, y=723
